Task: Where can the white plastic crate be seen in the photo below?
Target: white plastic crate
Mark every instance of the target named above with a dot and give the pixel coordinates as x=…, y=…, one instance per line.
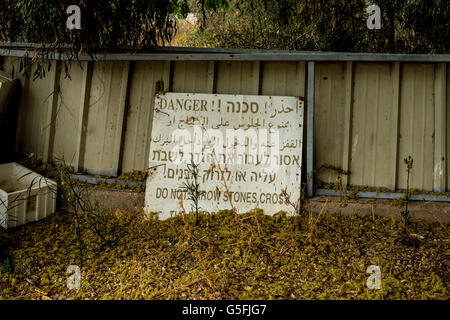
x=25, y=196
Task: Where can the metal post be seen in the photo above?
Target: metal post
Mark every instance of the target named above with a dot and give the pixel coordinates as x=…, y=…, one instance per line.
x=310, y=131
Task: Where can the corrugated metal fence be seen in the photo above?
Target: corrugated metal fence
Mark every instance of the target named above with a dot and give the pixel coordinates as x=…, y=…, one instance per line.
x=368, y=116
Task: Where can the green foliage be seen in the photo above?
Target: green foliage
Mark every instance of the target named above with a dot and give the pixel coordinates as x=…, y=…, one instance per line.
x=5, y=263
x=90, y=218
x=6, y=266
x=259, y=257
x=105, y=24
x=324, y=25
x=192, y=188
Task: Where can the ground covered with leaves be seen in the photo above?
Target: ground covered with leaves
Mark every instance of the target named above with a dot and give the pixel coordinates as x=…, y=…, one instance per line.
x=227, y=256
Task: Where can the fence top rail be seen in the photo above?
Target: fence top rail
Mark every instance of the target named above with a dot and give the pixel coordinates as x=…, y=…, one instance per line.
x=24, y=50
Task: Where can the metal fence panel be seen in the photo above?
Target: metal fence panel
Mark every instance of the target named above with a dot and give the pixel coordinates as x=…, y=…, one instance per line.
x=238, y=77
x=372, y=125
x=35, y=113
x=416, y=134
x=195, y=77
x=329, y=118
x=69, y=115
x=284, y=78
x=139, y=117
x=368, y=115
x=105, y=117
x=447, y=106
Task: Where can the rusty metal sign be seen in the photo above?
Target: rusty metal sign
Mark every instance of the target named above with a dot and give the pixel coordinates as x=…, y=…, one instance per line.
x=246, y=150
